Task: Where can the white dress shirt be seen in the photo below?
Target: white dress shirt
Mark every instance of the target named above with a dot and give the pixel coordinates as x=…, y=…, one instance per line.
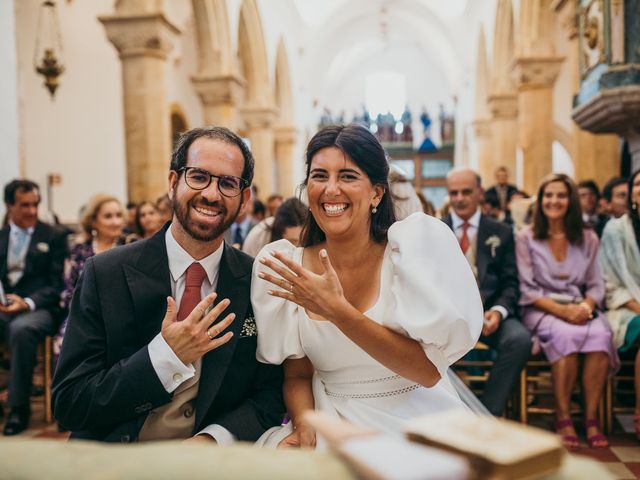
x=169, y=368
x=472, y=235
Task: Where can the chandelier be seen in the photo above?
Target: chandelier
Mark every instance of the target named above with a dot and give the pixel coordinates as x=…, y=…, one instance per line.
x=48, y=32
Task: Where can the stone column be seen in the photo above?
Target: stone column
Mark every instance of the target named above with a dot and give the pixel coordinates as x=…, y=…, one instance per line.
x=502, y=99
x=285, y=138
x=220, y=95
x=595, y=156
x=484, y=146
x=259, y=122
x=504, y=113
x=534, y=80
x=143, y=41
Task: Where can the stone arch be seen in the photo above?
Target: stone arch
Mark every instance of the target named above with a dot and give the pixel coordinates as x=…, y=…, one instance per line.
x=214, y=38
x=179, y=122
x=252, y=56
x=283, y=94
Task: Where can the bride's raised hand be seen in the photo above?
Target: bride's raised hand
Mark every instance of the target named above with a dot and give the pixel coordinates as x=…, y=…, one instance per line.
x=319, y=294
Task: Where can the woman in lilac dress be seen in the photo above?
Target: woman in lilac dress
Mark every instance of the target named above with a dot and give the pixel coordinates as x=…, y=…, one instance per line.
x=561, y=291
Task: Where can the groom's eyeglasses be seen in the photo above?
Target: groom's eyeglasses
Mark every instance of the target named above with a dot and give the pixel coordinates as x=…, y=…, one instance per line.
x=199, y=179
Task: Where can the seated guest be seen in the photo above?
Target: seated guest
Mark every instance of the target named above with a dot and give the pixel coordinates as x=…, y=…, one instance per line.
x=589, y=195
x=286, y=224
x=130, y=225
x=238, y=231
x=502, y=190
x=614, y=197
x=102, y=225
x=147, y=220
x=165, y=208
x=405, y=199
x=561, y=290
x=144, y=356
x=32, y=257
x=427, y=205
x=259, y=210
x=273, y=203
x=488, y=246
x=620, y=263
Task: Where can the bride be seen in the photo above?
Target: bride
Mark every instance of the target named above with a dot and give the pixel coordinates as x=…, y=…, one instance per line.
x=368, y=314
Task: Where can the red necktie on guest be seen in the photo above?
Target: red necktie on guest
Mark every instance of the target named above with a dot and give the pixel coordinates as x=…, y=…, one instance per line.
x=191, y=296
x=464, y=240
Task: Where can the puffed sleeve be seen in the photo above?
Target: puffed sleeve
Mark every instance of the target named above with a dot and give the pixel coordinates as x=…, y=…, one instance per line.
x=435, y=295
x=276, y=318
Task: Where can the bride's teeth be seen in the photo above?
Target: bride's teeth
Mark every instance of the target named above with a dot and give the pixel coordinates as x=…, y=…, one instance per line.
x=335, y=208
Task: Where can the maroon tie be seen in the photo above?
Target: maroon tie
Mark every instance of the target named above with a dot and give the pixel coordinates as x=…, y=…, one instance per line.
x=191, y=294
x=464, y=240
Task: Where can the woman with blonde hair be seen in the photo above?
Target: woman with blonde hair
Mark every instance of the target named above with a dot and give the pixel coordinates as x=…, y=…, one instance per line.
x=102, y=223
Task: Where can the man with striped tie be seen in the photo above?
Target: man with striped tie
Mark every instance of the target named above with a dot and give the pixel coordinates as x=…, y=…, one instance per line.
x=161, y=341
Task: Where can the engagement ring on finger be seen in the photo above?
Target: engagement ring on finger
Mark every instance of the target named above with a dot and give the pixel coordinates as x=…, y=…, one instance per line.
x=291, y=287
x=211, y=337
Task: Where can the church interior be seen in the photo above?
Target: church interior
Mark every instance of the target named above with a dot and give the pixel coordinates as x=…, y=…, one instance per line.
x=95, y=94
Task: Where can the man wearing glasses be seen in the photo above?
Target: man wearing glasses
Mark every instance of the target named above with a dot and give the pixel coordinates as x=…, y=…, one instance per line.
x=161, y=341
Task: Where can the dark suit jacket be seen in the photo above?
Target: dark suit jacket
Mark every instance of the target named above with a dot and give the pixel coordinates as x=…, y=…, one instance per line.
x=497, y=269
x=42, y=280
x=105, y=385
x=228, y=237
x=511, y=189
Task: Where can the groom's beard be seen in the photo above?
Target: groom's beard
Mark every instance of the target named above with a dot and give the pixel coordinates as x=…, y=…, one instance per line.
x=204, y=231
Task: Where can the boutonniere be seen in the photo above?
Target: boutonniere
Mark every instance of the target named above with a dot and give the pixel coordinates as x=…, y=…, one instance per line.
x=249, y=328
x=493, y=242
x=42, y=247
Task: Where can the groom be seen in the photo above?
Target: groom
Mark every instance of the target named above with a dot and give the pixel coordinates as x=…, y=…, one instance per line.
x=136, y=365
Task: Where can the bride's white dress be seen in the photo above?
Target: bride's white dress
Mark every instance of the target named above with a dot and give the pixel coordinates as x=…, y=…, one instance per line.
x=427, y=292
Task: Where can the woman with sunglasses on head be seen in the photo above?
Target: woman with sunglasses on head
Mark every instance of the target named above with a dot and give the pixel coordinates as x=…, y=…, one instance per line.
x=620, y=262
x=561, y=292
x=367, y=314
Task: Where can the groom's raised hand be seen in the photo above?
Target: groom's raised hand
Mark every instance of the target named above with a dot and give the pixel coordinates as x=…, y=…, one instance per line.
x=194, y=336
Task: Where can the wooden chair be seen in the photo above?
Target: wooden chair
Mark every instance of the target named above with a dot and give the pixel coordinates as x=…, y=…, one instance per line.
x=536, y=382
x=621, y=386
x=476, y=371
x=45, y=370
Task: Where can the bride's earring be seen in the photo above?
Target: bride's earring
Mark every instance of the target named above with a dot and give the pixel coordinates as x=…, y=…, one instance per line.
x=374, y=209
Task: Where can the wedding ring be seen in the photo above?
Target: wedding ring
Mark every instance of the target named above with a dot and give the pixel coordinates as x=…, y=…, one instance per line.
x=291, y=287
x=211, y=337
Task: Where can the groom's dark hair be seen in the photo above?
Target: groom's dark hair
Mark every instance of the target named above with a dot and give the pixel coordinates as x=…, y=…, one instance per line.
x=179, y=155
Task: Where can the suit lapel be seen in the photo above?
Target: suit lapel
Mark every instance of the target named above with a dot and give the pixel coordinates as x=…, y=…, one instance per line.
x=4, y=248
x=149, y=282
x=482, y=258
x=32, y=251
x=216, y=362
